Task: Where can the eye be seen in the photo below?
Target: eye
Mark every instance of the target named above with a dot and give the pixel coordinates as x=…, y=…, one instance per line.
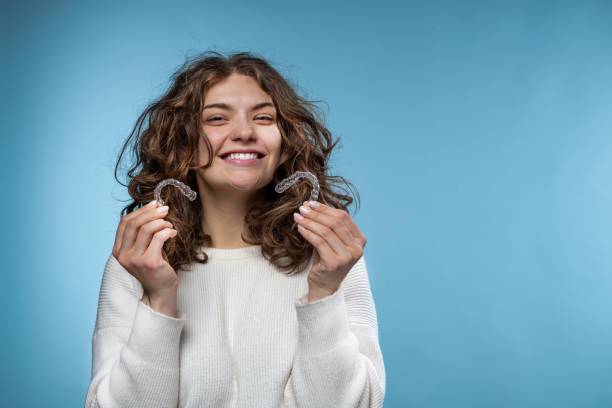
x=217, y=118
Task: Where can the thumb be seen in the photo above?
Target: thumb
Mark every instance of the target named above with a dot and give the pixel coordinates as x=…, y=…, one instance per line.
x=157, y=243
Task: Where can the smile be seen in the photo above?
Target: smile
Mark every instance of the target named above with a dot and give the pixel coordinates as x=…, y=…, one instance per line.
x=242, y=159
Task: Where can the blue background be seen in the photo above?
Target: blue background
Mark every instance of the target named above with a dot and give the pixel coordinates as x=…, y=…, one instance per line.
x=477, y=133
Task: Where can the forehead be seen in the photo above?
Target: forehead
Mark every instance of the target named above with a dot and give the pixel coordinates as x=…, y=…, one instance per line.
x=237, y=89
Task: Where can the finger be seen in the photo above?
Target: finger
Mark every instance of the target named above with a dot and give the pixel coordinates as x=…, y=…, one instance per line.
x=333, y=212
x=157, y=243
x=334, y=242
x=325, y=209
x=332, y=221
x=145, y=234
x=123, y=222
x=348, y=220
x=322, y=247
x=133, y=225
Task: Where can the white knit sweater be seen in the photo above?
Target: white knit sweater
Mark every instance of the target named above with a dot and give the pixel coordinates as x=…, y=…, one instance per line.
x=245, y=337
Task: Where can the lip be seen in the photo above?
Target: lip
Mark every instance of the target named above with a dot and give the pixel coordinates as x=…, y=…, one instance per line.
x=242, y=151
x=243, y=163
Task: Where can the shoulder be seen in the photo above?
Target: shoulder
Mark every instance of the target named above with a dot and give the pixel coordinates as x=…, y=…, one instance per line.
x=119, y=294
x=357, y=277
x=116, y=276
x=358, y=295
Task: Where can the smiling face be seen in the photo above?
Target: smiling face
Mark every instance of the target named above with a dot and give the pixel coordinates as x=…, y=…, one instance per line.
x=239, y=116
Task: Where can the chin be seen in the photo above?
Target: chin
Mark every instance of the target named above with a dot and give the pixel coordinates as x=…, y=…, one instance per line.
x=254, y=186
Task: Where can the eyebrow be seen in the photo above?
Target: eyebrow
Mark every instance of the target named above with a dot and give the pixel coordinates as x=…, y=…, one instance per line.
x=229, y=108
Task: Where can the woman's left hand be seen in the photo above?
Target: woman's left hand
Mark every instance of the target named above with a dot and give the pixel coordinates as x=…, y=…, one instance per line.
x=338, y=246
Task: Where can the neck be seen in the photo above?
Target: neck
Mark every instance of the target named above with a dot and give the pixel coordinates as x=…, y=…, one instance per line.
x=223, y=215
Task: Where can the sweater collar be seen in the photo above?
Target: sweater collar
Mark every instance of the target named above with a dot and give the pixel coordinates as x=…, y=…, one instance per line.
x=253, y=251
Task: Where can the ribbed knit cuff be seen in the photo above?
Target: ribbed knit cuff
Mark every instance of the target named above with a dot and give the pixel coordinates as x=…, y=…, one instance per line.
x=155, y=337
x=322, y=324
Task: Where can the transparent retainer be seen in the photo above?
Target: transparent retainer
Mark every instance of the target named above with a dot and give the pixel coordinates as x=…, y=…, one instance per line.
x=291, y=180
x=183, y=188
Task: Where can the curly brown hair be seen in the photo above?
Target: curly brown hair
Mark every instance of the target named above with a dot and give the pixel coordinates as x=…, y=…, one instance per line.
x=167, y=148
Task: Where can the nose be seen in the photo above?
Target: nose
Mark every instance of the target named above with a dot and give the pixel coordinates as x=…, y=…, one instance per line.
x=243, y=131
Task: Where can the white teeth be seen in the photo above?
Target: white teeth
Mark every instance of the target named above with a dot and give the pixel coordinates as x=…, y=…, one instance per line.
x=242, y=156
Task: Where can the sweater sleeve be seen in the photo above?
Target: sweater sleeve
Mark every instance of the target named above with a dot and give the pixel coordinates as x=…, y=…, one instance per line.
x=338, y=361
x=135, y=349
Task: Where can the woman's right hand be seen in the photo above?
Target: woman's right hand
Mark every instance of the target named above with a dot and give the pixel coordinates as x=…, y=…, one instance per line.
x=138, y=247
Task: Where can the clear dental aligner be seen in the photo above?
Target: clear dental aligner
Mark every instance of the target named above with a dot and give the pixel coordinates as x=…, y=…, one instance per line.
x=184, y=188
x=291, y=180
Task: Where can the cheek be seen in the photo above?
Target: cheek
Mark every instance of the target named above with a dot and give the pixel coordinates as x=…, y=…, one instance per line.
x=203, y=150
x=274, y=142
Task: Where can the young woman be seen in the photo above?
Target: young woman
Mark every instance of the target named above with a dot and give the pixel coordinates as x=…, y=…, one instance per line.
x=235, y=299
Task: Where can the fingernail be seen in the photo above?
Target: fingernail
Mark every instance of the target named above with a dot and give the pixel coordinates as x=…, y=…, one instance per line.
x=298, y=216
x=304, y=210
x=162, y=209
x=152, y=204
x=313, y=204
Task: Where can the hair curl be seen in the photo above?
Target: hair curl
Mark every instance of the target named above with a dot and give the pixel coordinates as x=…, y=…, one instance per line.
x=167, y=148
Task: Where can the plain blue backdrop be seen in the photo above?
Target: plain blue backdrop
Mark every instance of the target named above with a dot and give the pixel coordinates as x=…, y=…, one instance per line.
x=478, y=134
